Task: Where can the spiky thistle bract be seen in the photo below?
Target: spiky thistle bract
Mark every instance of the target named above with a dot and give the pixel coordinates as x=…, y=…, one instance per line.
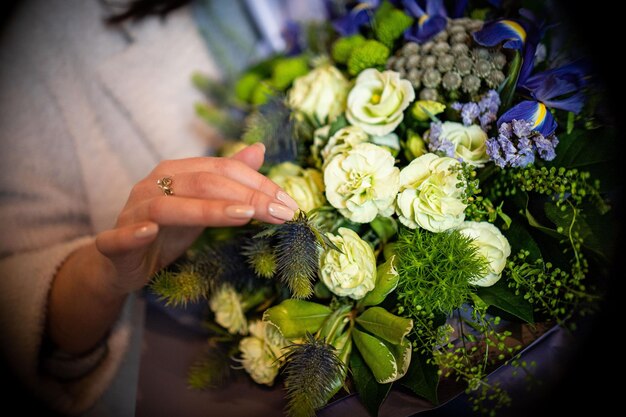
x=312, y=369
x=297, y=243
x=260, y=256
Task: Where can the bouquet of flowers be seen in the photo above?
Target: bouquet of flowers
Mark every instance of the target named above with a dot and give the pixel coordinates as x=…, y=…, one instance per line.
x=446, y=165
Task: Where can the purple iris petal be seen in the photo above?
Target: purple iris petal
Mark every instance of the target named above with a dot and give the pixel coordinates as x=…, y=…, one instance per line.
x=553, y=86
x=348, y=23
x=291, y=33
x=431, y=19
x=511, y=32
x=534, y=112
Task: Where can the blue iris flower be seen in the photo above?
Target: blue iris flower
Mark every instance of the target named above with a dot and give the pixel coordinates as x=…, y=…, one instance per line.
x=348, y=22
x=431, y=19
x=559, y=88
x=459, y=6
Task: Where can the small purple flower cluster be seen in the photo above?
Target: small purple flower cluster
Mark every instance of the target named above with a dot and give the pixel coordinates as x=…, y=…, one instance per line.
x=436, y=143
x=485, y=110
x=517, y=143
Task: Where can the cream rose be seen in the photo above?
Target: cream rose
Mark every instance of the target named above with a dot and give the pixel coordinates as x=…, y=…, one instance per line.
x=343, y=141
x=491, y=244
x=377, y=101
x=306, y=186
x=351, y=272
x=362, y=183
x=429, y=194
x=320, y=94
x=470, y=142
x=225, y=303
x=261, y=352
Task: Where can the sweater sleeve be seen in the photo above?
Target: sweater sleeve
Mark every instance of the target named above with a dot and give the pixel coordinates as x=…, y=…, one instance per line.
x=24, y=287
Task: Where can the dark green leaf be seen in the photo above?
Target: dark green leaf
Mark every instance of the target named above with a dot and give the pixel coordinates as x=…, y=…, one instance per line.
x=582, y=147
x=563, y=219
x=422, y=378
x=371, y=393
x=501, y=296
x=339, y=123
x=519, y=239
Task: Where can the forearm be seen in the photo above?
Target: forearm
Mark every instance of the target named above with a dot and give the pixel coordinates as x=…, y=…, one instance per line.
x=83, y=305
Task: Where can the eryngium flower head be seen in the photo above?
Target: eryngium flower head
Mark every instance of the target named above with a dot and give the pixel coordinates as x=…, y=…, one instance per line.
x=312, y=370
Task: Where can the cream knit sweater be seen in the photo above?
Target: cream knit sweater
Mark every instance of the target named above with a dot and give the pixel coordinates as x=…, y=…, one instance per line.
x=86, y=112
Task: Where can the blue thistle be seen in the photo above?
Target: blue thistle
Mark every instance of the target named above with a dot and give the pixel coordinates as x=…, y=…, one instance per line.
x=312, y=369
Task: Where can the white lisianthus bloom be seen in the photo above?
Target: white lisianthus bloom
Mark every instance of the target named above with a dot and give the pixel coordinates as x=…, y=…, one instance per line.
x=320, y=139
x=362, y=183
x=306, y=186
x=261, y=352
x=430, y=196
x=470, y=142
x=377, y=101
x=343, y=141
x=320, y=94
x=351, y=272
x=491, y=244
x=225, y=303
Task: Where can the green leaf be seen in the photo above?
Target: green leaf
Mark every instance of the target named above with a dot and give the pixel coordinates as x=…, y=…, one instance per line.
x=582, y=148
x=294, y=318
x=519, y=239
x=339, y=123
x=371, y=393
x=508, y=86
x=384, y=227
x=563, y=219
x=402, y=352
x=422, y=378
x=386, y=281
x=385, y=325
x=501, y=296
x=377, y=356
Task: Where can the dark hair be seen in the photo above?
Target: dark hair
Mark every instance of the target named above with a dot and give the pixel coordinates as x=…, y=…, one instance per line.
x=139, y=9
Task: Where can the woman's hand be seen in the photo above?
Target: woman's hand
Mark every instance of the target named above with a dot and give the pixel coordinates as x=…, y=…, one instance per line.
x=152, y=231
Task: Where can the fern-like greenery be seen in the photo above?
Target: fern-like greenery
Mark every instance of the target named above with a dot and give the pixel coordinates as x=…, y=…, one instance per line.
x=311, y=370
x=436, y=270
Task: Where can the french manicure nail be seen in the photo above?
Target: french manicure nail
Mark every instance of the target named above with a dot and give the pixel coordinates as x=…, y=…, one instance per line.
x=240, y=212
x=280, y=212
x=259, y=145
x=286, y=198
x=146, y=231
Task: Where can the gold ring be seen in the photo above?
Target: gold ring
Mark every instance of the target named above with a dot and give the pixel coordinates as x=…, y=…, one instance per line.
x=165, y=184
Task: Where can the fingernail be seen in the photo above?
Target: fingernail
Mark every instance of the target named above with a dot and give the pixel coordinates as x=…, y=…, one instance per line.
x=240, y=212
x=286, y=198
x=280, y=212
x=146, y=231
x=259, y=145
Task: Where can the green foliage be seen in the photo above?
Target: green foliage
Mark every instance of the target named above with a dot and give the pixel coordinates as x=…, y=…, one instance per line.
x=435, y=271
x=295, y=318
x=370, y=54
x=311, y=369
x=422, y=377
x=500, y=296
x=371, y=393
x=343, y=47
x=390, y=24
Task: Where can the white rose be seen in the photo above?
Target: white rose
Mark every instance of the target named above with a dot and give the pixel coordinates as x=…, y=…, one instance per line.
x=470, y=142
x=320, y=94
x=362, y=183
x=306, y=186
x=377, y=101
x=429, y=194
x=225, y=303
x=342, y=141
x=491, y=244
x=261, y=352
x=351, y=272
